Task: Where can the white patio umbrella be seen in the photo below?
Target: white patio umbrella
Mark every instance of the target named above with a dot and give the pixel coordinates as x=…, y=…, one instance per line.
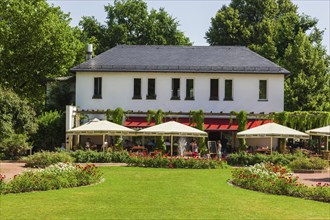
x=172, y=129
x=322, y=131
x=104, y=127
x=272, y=130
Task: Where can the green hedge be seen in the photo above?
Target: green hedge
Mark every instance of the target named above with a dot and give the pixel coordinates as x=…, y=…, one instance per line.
x=245, y=159
x=46, y=158
x=313, y=163
x=175, y=162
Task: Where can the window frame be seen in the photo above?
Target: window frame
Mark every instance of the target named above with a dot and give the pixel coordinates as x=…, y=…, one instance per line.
x=231, y=98
x=149, y=95
x=97, y=94
x=137, y=89
x=263, y=91
x=177, y=90
x=214, y=98
x=189, y=95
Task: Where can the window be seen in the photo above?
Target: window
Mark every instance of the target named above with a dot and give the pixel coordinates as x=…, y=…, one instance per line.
x=97, y=88
x=228, y=90
x=189, y=89
x=151, y=89
x=214, y=89
x=262, y=89
x=175, y=89
x=137, y=89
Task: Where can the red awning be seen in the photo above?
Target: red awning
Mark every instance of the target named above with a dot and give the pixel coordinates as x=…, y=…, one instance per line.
x=210, y=124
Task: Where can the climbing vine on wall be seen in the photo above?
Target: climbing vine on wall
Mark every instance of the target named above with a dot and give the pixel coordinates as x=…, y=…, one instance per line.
x=158, y=116
x=301, y=120
x=241, y=118
x=197, y=118
x=116, y=115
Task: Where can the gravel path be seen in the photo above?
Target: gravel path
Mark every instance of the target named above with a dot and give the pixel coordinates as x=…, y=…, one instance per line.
x=11, y=169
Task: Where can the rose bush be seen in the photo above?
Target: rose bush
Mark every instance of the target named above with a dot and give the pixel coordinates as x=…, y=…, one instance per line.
x=275, y=179
x=60, y=175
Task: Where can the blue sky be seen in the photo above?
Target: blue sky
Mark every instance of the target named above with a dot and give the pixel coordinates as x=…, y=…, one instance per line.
x=194, y=16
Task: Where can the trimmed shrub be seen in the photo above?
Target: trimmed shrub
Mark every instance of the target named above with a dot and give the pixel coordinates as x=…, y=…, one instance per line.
x=313, y=163
x=174, y=162
x=46, y=158
x=90, y=156
x=245, y=159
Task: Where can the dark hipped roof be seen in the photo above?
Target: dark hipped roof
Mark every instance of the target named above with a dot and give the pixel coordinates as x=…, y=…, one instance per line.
x=206, y=59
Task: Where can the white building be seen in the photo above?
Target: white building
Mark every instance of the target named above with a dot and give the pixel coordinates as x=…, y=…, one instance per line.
x=181, y=79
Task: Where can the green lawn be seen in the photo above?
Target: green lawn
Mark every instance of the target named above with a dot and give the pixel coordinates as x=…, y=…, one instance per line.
x=141, y=193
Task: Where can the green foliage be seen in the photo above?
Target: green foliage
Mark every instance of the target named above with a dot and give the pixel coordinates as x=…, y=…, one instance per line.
x=130, y=22
x=45, y=158
x=308, y=86
x=37, y=43
x=301, y=120
x=117, y=115
x=14, y=146
x=62, y=93
x=175, y=162
x=16, y=115
x=60, y=175
x=313, y=163
x=158, y=116
x=51, y=131
x=197, y=119
x=276, y=180
x=245, y=159
x=241, y=118
x=275, y=30
x=90, y=156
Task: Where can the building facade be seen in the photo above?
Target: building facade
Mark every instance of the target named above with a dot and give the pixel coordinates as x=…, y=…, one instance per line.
x=181, y=79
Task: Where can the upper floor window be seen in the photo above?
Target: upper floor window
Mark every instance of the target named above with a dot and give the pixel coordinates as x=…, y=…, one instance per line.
x=262, y=89
x=175, y=89
x=151, y=89
x=97, y=88
x=189, y=89
x=228, y=90
x=137, y=88
x=214, y=89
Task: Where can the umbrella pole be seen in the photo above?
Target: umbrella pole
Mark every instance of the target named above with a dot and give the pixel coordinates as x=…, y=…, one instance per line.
x=171, y=145
x=271, y=145
x=327, y=143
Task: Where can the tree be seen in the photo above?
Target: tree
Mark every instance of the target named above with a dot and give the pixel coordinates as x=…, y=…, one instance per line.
x=51, y=131
x=308, y=86
x=36, y=43
x=17, y=122
x=275, y=30
x=129, y=22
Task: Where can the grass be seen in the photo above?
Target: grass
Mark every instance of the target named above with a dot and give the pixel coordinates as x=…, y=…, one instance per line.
x=146, y=193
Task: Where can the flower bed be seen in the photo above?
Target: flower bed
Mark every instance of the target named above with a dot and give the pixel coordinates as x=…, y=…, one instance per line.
x=269, y=178
x=174, y=162
x=60, y=175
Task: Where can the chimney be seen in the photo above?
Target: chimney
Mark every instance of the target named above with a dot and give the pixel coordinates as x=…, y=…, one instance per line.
x=89, y=51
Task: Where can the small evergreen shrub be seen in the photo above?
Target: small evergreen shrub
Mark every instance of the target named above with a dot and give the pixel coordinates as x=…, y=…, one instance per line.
x=46, y=158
